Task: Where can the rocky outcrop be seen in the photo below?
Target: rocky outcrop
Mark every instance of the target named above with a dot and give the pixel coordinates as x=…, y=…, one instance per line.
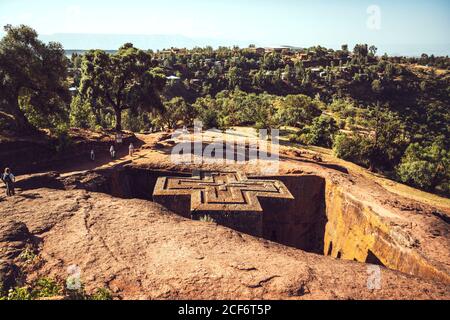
x=94, y=181
x=140, y=250
x=40, y=180
x=14, y=236
x=364, y=232
x=323, y=218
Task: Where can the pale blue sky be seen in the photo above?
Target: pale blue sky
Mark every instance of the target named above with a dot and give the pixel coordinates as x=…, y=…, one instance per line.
x=404, y=24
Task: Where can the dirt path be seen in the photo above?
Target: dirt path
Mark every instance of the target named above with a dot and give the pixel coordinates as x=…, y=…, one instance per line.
x=103, y=160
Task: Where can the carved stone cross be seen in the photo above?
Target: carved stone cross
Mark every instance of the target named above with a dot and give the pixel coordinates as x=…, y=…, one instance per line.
x=230, y=198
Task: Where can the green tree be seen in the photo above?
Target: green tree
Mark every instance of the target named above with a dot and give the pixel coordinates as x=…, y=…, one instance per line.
x=177, y=110
x=354, y=148
x=361, y=50
x=121, y=81
x=234, y=77
x=386, y=139
x=76, y=60
x=31, y=72
x=206, y=111
x=266, y=116
x=81, y=115
x=376, y=86
x=373, y=50
x=381, y=148
x=320, y=132
x=298, y=110
x=425, y=167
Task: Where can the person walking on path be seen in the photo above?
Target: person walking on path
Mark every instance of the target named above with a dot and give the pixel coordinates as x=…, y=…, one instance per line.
x=131, y=149
x=92, y=155
x=112, y=152
x=9, y=179
x=119, y=138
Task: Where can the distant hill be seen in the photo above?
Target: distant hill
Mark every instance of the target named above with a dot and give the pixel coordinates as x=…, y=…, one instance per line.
x=85, y=41
x=75, y=41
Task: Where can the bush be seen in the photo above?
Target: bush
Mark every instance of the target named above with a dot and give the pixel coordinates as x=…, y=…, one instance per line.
x=320, y=132
x=425, y=167
x=297, y=110
x=20, y=293
x=352, y=148
x=42, y=288
x=27, y=255
x=294, y=137
x=177, y=110
x=138, y=121
x=209, y=118
x=45, y=288
x=63, y=140
x=101, y=294
x=2, y=290
x=80, y=294
x=350, y=123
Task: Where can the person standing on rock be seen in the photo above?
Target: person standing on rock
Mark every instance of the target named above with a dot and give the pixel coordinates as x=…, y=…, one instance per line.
x=9, y=179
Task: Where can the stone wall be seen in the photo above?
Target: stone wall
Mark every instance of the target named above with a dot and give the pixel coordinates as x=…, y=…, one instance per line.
x=298, y=223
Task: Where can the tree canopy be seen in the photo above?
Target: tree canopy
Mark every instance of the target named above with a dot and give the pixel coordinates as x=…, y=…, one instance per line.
x=298, y=110
x=426, y=167
x=127, y=79
x=33, y=76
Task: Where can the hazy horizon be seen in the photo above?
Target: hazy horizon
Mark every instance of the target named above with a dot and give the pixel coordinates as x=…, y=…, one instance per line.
x=397, y=28
x=111, y=42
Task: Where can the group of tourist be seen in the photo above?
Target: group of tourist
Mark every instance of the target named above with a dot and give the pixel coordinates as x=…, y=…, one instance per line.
x=112, y=149
x=112, y=152
x=9, y=179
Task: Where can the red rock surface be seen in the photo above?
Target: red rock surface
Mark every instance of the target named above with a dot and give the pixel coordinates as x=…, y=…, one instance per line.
x=141, y=251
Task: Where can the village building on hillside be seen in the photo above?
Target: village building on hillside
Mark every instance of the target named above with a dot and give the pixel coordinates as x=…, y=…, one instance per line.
x=173, y=79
